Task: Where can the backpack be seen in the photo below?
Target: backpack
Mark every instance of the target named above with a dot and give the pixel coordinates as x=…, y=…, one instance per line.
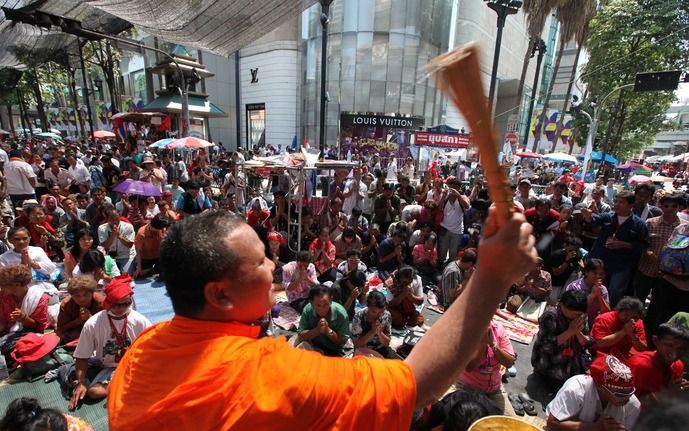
x=674, y=257
x=36, y=370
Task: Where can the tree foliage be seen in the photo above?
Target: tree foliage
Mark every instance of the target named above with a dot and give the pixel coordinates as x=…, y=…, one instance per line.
x=628, y=37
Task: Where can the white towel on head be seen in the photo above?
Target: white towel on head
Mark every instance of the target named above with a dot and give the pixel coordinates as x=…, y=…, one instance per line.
x=29, y=305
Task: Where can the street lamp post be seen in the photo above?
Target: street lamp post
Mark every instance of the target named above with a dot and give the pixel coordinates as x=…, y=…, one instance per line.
x=503, y=8
x=325, y=20
x=540, y=47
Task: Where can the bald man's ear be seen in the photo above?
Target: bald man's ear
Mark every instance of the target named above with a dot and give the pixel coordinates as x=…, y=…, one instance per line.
x=215, y=293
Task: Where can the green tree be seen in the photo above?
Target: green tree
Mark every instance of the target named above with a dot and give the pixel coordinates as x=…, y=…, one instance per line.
x=106, y=58
x=628, y=37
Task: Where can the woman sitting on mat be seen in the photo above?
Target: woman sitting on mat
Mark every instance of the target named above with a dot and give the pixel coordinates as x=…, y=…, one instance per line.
x=561, y=347
x=78, y=307
x=372, y=328
x=591, y=283
x=23, y=308
x=403, y=297
x=83, y=242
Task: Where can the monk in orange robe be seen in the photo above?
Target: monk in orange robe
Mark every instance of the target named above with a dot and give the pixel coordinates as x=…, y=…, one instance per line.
x=206, y=369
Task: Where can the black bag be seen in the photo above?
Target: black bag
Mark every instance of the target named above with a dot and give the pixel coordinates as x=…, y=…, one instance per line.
x=410, y=340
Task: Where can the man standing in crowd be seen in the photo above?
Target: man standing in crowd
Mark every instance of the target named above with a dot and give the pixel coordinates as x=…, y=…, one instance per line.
x=659, y=230
x=20, y=179
x=623, y=238
x=452, y=204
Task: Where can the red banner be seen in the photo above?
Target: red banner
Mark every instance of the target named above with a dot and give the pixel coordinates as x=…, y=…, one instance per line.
x=442, y=140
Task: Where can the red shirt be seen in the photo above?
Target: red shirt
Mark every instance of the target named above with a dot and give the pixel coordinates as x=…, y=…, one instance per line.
x=650, y=375
x=609, y=323
x=8, y=304
x=262, y=217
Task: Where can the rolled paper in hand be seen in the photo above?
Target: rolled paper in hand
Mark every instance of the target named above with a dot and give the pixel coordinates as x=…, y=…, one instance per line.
x=458, y=75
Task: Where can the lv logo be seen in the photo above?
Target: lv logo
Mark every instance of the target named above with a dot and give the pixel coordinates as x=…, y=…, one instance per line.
x=254, y=75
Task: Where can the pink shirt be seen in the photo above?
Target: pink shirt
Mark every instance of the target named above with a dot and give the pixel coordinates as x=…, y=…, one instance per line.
x=486, y=377
x=302, y=290
x=419, y=251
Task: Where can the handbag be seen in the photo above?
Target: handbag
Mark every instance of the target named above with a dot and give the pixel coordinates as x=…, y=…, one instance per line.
x=674, y=257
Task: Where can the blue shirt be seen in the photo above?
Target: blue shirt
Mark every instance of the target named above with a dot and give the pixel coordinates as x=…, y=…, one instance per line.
x=633, y=230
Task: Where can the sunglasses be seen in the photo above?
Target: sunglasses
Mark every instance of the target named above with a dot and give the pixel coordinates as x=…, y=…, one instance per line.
x=620, y=394
x=121, y=304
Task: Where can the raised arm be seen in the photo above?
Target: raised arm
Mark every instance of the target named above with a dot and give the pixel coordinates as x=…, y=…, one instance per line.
x=450, y=344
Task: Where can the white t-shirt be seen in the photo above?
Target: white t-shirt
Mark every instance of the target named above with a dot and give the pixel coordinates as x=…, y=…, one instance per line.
x=41, y=276
x=80, y=173
x=3, y=156
x=355, y=199
x=416, y=288
x=453, y=217
x=578, y=400
x=98, y=340
x=121, y=250
x=17, y=174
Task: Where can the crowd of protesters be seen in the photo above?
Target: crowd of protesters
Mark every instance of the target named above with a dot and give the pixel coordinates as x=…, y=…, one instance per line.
x=610, y=292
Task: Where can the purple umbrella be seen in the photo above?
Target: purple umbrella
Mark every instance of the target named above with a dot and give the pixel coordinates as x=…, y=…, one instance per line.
x=134, y=187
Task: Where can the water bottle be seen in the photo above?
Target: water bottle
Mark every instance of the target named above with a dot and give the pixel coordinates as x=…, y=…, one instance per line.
x=4, y=373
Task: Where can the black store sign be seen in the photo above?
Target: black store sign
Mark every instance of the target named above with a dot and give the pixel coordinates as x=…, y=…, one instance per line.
x=366, y=120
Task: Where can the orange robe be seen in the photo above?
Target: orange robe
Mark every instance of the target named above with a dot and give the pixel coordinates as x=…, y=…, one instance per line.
x=197, y=375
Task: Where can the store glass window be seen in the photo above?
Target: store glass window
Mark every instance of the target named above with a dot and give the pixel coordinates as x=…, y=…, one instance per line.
x=256, y=125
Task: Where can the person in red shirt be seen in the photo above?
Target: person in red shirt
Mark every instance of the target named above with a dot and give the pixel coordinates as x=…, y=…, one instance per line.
x=656, y=370
x=617, y=331
x=566, y=177
x=258, y=215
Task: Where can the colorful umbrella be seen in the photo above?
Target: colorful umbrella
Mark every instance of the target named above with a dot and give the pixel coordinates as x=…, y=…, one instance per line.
x=633, y=166
x=638, y=179
x=661, y=179
x=134, y=187
x=189, y=142
x=103, y=134
x=49, y=135
x=526, y=154
x=163, y=143
x=596, y=157
x=560, y=157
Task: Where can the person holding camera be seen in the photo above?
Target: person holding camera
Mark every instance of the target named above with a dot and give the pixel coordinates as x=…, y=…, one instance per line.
x=453, y=205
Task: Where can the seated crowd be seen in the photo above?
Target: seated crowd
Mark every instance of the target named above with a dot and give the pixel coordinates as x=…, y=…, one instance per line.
x=361, y=272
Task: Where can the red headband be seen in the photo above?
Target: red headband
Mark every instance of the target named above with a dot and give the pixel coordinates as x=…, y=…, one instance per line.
x=120, y=287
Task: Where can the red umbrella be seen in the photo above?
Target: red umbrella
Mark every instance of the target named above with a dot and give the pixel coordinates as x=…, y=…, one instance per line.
x=526, y=154
x=633, y=166
x=103, y=134
x=189, y=142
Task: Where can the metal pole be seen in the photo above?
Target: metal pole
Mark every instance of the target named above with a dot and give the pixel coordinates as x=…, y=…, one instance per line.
x=325, y=20
x=613, y=110
x=21, y=111
x=502, y=15
x=85, y=88
x=237, y=97
x=540, y=46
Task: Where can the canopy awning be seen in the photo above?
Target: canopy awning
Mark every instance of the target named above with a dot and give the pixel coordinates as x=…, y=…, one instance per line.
x=218, y=26
x=198, y=106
